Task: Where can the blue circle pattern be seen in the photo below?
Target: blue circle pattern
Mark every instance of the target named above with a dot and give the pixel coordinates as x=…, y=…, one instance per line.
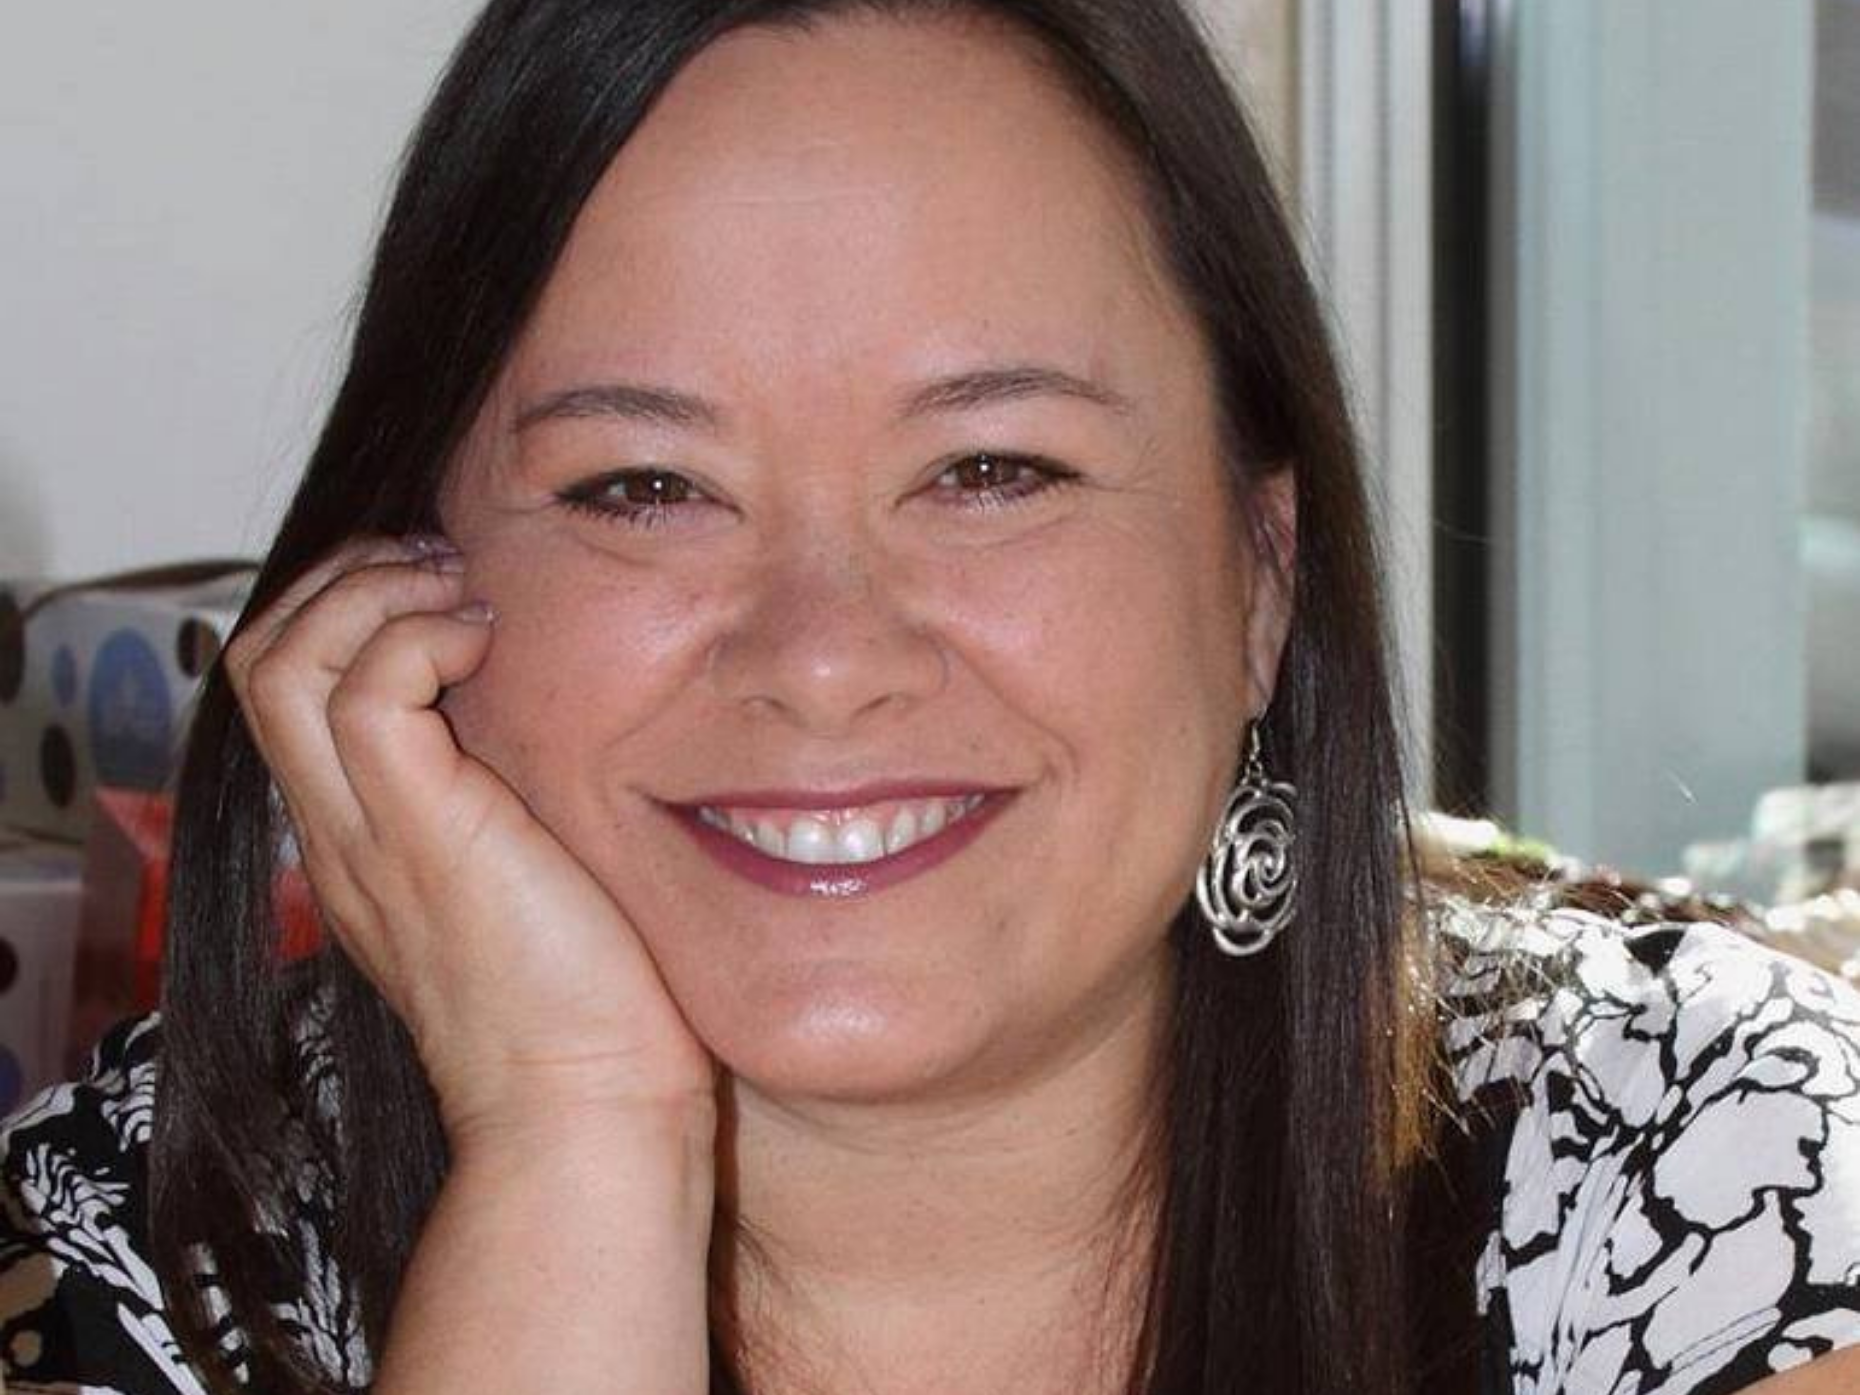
x=131, y=714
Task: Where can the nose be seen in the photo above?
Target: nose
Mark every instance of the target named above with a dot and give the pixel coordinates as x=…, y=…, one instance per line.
x=823, y=644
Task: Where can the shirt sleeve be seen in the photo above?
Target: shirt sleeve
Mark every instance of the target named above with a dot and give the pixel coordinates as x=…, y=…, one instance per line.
x=1681, y=1213
x=80, y=1306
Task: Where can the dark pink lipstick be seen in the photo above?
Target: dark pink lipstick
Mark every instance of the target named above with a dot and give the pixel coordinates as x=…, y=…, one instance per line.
x=838, y=880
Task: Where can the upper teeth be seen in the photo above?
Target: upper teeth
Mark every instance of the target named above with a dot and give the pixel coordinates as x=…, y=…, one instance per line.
x=841, y=835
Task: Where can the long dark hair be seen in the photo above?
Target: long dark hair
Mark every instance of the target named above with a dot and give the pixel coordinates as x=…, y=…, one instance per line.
x=1284, y=1260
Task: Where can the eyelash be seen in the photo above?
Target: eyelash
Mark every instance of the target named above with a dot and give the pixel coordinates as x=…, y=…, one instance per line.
x=594, y=497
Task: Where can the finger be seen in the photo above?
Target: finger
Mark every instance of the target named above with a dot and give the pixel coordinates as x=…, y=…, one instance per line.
x=288, y=688
x=397, y=752
x=323, y=639
x=256, y=634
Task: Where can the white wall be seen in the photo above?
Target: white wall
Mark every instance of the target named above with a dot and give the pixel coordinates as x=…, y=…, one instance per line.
x=189, y=191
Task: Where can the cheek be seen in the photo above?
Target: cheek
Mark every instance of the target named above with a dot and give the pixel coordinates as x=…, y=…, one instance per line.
x=1128, y=655
x=583, y=651
x=1121, y=640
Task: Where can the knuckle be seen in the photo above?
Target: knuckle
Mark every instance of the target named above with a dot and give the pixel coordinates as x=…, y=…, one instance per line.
x=395, y=654
x=269, y=683
x=350, y=710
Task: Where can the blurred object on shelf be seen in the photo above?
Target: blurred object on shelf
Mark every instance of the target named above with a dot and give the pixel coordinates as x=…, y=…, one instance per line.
x=1824, y=930
x=1441, y=839
x=96, y=679
x=40, y=887
x=1803, y=842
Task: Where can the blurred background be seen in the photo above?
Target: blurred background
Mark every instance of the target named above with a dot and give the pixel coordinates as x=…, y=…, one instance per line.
x=1596, y=265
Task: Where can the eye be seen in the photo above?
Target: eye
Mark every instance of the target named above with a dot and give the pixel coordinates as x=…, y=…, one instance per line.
x=639, y=498
x=990, y=481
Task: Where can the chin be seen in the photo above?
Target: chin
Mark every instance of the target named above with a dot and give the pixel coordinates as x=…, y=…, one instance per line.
x=847, y=1040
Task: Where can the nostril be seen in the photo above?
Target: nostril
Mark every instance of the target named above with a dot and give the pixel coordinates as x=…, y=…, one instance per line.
x=826, y=668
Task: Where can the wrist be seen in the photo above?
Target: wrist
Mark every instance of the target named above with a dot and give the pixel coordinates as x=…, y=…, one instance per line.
x=583, y=1124
x=667, y=1143
x=589, y=1101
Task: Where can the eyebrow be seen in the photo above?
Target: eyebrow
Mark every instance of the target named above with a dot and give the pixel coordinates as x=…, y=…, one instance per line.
x=960, y=392
x=657, y=406
x=985, y=387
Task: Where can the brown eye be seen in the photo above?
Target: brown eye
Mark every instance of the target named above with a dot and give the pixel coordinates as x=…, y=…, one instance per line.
x=640, y=498
x=644, y=489
x=984, y=472
x=986, y=481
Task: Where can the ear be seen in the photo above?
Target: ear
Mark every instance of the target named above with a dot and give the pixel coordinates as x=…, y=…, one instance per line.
x=1271, y=590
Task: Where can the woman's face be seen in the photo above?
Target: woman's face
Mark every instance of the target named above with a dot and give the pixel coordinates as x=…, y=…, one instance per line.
x=763, y=503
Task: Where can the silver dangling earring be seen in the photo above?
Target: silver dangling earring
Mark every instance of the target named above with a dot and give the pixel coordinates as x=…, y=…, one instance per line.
x=1248, y=884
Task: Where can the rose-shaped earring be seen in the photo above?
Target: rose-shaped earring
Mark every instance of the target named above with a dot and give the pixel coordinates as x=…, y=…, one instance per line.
x=1248, y=883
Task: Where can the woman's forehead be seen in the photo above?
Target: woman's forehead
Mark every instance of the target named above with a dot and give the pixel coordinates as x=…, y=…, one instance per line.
x=778, y=101
x=863, y=188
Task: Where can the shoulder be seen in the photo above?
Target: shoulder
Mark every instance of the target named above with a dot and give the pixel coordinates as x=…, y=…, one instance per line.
x=81, y=1305
x=75, y=1157
x=1681, y=1190
x=107, y=1112
x=1643, y=1009
x=79, y=1301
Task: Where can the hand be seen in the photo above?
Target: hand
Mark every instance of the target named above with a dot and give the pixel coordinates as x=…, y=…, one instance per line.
x=532, y=1001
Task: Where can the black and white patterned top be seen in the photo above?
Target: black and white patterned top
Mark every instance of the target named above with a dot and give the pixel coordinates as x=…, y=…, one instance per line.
x=1679, y=1211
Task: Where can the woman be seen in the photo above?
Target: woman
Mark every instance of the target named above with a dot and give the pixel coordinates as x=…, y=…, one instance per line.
x=830, y=503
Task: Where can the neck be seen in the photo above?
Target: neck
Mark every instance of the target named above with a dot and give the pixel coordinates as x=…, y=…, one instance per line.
x=892, y=1235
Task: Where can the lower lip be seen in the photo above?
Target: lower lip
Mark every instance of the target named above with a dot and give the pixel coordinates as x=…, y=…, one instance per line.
x=841, y=880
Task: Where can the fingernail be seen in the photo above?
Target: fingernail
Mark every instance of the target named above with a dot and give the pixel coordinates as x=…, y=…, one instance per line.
x=476, y=612
x=431, y=545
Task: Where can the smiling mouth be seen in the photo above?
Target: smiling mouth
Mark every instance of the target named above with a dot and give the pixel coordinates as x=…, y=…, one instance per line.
x=841, y=837
x=842, y=852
